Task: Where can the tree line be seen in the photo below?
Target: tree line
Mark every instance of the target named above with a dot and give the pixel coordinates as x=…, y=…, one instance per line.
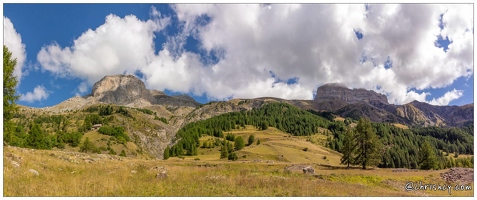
x=283, y=116
x=424, y=148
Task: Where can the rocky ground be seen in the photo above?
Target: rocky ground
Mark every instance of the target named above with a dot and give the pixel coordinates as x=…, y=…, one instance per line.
x=459, y=175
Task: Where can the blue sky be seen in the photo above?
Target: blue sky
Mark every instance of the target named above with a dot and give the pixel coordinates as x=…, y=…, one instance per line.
x=217, y=52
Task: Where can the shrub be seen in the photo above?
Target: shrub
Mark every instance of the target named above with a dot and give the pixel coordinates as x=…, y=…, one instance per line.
x=144, y=110
x=230, y=137
x=305, y=149
x=166, y=153
x=117, y=131
x=251, y=139
x=233, y=156
x=162, y=119
x=123, y=153
x=112, y=152
x=105, y=110
x=88, y=146
x=224, y=152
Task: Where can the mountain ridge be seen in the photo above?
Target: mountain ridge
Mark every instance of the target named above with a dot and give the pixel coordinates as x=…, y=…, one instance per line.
x=128, y=90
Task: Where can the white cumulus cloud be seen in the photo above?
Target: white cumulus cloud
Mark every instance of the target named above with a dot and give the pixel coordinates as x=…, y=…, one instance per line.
x=13, y=40
x=447, y=98
x=119, y=45
x=39, y=93
x=311, y=43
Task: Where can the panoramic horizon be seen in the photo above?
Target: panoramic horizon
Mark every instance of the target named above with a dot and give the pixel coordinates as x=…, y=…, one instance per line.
x=408, y=52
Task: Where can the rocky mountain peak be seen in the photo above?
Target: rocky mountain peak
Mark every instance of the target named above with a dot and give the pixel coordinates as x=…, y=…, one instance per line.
x=129, y=90
x=338, y=91
x=120, y=89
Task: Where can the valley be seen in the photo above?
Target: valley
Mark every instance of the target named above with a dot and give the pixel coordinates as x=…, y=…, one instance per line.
x=272, y=168
x=125, y=140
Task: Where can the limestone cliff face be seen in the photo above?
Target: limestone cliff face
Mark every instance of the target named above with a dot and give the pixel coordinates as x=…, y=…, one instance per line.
x=129, y=90
x=121, y=90
x=336, y=91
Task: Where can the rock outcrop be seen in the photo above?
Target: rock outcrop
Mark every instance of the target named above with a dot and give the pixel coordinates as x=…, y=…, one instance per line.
x=120, y=89
x=129, y=90
x=356, y=103
x=336, y=91
x=459, y=175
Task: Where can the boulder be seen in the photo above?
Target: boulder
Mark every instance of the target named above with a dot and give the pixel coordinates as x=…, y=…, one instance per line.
x=34, y=172
x=309, y=170
x=15, y=164
x=161, y=175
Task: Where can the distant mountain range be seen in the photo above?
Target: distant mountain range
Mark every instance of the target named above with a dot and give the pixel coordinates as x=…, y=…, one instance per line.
x=333, y=97
x=355, y=103
x=177, y=111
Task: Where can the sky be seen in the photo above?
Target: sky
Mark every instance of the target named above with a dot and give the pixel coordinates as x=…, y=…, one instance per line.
x=213, y=52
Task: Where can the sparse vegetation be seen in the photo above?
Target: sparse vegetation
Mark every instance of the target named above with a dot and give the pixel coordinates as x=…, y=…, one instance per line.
x=88, y=146
x=146, y=111
x=137, y=177
x=162, y=119
x=284, y=136
x=233, y=156
x=117, y=131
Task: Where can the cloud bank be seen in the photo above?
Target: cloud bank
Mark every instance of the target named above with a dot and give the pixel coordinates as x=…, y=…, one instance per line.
x=259, y=47
x=13, y=41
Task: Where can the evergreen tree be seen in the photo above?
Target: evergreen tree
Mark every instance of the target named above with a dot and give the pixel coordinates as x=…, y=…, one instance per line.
x=166, y=153
x=428, y=159
x=251, y=139
x=368, y=145
x=264, y=125
x=239, y=143
x=35, y=137
x=233, y=156
x=258, y=141
x=87, y=146
x=9, y=98
x=224, y=152
x=349, y=146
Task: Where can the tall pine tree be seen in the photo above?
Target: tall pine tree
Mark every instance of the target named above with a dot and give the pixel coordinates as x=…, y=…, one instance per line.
x=349, y=146
x=167, y=153
x=428, y=159
x=368, y=145
x=9, y=98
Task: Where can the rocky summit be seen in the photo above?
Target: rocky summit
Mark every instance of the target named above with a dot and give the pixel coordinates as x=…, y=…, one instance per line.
x=129, y=90
x=120, y=89
x=337, y=91
x=356, y=103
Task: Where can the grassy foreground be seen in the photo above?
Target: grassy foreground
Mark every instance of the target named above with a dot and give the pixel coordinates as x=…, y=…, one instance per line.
x=258, y=172
x=131, y=177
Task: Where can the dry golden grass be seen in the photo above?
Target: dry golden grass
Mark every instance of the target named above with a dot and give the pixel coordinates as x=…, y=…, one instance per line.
x=134, y=177
x=338, y=118
x=76, y=174
x=400, y=126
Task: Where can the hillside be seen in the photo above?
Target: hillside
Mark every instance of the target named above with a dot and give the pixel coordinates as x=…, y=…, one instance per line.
x=198, y=146
x=153, y=131
x=271, y=168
